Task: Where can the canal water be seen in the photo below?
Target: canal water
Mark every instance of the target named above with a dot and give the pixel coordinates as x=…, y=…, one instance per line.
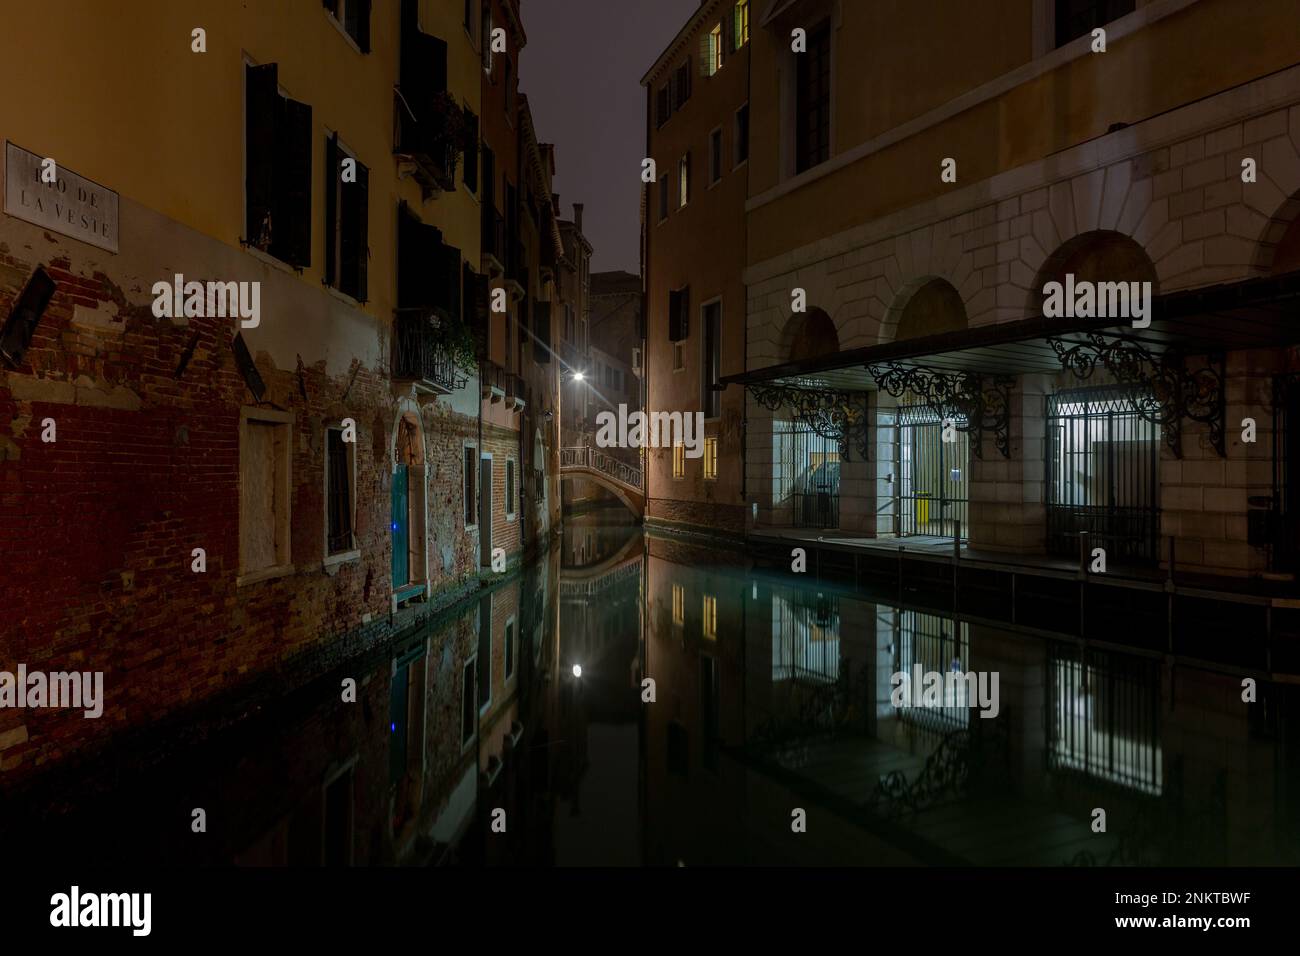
x=629, y=700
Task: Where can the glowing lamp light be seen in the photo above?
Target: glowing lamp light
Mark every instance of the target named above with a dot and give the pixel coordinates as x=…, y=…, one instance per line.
x=577, y=670
x=577, y=376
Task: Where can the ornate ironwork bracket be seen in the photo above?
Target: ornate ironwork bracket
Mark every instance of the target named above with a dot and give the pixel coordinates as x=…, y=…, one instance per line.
x=836, y=416
x=1162, y=389
x=972, y=401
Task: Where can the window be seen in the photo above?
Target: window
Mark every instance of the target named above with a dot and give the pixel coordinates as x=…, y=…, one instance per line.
x=679, y=605
x=740, y=140
x=510, y=488
x=741, y=22
x=470, y=485
x=264, y=491
x=469, y=703
x=679, y=318
x=683, y=180
x=471, y=161
x=510, y=648
x=710, y=459
x=713, y=49
x=682, y=84
x=277, y=162
x=711, y=400
x=636, y=361
x=663, y=105
x=813, y=100
x=679, y=460
x=679, y=357
x=710, y=623
x=663, y=197
x=347, y=208
x=339, y=493
x=353, y=16
x=1077, y=18
x=715, y=156
x=485, y=41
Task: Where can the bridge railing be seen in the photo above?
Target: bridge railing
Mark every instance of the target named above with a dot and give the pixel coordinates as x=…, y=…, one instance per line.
x=584, y=456
x=590, y=587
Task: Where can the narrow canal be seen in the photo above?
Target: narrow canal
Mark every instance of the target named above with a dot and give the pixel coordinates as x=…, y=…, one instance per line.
x=518, y=728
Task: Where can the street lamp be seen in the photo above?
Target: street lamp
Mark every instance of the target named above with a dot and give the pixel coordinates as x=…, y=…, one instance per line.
x=577, y=376
x=577, y=670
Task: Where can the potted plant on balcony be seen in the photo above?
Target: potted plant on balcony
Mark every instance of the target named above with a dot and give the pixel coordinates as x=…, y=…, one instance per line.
x=457, y=339
x=448, y=131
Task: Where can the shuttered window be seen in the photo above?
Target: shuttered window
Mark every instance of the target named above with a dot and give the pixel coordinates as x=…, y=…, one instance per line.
x=338, y=492
x=663, y=106
x=354, y=17
x=277, y=182
x=471, y=150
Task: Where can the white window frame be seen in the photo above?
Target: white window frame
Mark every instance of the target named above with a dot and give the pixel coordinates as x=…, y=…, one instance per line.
x=506, y=652
x=353, y=553
x=684, y=180
x=711, y=441
x=284, y=543
x=338, y=23
x=709, y=622
x=679, y=458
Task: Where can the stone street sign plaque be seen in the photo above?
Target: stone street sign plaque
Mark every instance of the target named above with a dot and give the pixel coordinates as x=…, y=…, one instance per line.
x=71, y=205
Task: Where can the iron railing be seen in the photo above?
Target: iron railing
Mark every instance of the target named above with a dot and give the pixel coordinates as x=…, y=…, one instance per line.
x=810, y=476
x=492, y=376
x=618, y=471
x=420, y=353
x=591, y=587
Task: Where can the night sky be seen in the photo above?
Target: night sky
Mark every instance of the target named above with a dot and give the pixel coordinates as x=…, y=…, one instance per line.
x=582, y=73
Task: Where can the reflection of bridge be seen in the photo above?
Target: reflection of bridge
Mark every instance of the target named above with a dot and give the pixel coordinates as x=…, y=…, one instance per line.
x=627, y=482
x=583, y=583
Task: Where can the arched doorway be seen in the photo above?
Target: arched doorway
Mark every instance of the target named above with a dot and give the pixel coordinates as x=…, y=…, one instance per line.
x=407, y=524
x=1103, y=457
x=809, y=464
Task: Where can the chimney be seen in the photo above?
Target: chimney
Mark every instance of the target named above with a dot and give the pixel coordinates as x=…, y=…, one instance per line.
x=577, y=216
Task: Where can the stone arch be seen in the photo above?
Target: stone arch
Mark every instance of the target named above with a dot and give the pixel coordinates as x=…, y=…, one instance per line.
x=1101, y=255
x=406, y=447
x=926, y=305
x=406, y=444
x=809, y=335
x=1277, y=250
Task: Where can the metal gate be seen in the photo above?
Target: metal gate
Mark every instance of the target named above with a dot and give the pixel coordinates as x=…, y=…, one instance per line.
x=1103, y=475
x=933, y=478
x=810, y=475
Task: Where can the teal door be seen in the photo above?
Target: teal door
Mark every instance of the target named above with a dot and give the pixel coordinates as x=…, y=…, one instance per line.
x=401, y=527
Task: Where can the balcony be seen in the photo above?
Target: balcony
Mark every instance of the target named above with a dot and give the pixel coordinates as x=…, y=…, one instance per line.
x=494, y=242
x=492, y=380
x=429, y=124
x=422, y=355
x=516, y=392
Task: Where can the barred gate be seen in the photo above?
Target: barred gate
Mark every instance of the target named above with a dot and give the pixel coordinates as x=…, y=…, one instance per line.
x=810, y=475
x=939, y=645
x=1284, y=533
x=1103, y=474
x=933, y=479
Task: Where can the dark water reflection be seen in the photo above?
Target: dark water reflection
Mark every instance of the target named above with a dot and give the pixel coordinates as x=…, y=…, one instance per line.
x=768, y=698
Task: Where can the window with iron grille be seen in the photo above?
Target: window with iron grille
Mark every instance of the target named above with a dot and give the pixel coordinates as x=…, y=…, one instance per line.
x=809, y=482
x=338, y=492
x=1103, y=474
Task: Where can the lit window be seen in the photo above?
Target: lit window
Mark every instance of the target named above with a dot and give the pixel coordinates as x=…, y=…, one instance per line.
x=714, y=61
x=741, y=32
x=679, y=605
x=679, y=357
x=710, y=459
x=710, y=624
x=683, y=180
x=679, y=460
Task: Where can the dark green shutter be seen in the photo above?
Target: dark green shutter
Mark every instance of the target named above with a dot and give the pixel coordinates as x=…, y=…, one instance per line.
x=261, y=104
x=471, y=150
x=333, y=179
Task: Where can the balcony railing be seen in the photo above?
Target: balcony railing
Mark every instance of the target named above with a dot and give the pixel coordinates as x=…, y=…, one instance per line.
x=421, y=355
x=492, y=380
